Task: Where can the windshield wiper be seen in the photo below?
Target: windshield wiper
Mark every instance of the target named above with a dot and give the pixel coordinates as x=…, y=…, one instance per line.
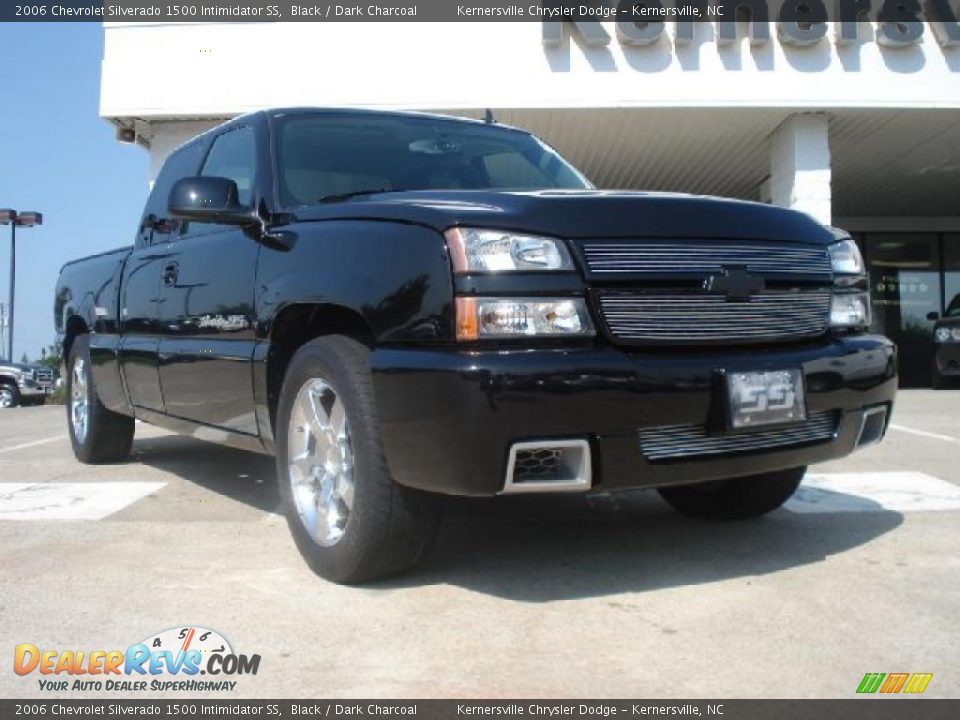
x=337, y=197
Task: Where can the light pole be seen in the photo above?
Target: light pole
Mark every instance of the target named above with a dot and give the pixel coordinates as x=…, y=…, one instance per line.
x=15, y=220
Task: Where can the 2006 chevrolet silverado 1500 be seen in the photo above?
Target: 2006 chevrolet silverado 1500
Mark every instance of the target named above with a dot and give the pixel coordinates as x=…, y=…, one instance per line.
x=400, y=305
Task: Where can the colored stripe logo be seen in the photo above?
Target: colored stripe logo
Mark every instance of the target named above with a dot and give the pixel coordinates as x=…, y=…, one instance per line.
x=894, y=683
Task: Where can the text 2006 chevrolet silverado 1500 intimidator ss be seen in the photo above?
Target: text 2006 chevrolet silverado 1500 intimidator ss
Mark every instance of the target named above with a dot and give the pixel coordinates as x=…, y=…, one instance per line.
x=400, y=306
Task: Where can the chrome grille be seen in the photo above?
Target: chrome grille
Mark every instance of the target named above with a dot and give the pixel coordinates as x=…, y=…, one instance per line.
x=686, y=441
x=43, y=375
x=648, y=257
x=695, y=317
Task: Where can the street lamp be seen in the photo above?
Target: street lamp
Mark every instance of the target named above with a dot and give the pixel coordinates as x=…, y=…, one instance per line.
x=15, y=220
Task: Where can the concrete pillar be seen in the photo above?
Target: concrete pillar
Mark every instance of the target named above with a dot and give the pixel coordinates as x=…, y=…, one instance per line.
x=800, y=165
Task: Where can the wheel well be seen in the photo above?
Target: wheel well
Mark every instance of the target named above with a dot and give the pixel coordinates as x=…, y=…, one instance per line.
x=7, y=380
x=75, y=327
x=297, y=325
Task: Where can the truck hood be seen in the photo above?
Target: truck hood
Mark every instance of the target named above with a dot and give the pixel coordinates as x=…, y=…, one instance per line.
x=20, y=366
x=581, y=214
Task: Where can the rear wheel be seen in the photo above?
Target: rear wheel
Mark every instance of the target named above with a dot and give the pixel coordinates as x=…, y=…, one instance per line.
x=350, y=520
x=9, y=395
x=736, y=498
x=97, y=434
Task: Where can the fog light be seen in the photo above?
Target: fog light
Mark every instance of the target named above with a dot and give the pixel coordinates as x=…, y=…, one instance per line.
x=479, y=318
x=850, y=310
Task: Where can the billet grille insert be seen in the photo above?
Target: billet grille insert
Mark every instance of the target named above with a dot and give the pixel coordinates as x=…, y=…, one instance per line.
x=696, y=317
x=689, y=441
x=647, y=257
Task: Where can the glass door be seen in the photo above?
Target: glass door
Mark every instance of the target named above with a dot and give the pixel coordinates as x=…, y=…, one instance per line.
x=951, y=270
x=905, y=288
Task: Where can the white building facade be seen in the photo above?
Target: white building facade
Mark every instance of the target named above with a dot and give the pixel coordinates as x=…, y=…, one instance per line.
x=857, y=124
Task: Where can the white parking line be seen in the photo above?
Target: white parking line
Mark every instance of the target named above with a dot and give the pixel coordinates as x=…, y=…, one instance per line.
x=70, y=501
x=34, y=443
x=874, y=492
x=924, y=433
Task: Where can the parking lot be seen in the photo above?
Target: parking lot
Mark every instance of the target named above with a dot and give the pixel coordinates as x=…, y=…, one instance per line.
x=526, y=597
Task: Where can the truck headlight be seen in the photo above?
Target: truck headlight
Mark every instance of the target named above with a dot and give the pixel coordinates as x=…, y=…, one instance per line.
x=850, y=310
x=479, y=318
x=476, y=250
x=845, y=258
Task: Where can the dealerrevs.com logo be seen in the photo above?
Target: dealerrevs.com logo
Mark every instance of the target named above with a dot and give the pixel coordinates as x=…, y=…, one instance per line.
x=170, y=660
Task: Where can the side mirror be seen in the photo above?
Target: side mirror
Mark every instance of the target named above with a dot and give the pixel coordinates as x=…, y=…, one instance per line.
x=208, y=199
x=934, y=316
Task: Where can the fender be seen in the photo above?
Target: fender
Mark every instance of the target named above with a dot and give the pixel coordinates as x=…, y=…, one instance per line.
x=394, y=275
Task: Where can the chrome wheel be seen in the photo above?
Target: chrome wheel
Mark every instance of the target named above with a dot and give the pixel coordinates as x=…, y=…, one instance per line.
x=79, y=402
x=320, y=461
x=6, y=397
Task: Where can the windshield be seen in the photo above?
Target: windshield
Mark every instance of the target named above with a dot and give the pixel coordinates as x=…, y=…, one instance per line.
x=953, y=310
x=331, y=154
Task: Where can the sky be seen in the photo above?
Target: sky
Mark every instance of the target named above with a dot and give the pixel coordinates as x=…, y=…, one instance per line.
x=58, y=157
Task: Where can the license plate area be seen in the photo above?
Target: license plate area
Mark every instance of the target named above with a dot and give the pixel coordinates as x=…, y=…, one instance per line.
x=764, y=398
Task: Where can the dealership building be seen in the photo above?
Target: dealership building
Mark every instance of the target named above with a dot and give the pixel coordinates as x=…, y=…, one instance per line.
x=857, y=124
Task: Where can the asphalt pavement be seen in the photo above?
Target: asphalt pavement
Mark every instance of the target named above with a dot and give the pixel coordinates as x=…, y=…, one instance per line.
x=522, y=597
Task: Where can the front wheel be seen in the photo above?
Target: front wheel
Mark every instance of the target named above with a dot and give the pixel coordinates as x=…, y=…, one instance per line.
x=736, y=498
x=9, y=395
x=98, y=435
x=350, y=520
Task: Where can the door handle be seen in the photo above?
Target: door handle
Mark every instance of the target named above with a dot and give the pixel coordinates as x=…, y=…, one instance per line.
x=170, y=274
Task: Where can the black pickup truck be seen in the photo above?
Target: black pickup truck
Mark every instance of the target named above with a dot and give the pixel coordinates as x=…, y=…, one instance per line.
x=400, y=306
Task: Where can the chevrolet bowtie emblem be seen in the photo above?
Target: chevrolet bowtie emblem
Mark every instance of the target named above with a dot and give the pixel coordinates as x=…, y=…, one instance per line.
x=735, y=282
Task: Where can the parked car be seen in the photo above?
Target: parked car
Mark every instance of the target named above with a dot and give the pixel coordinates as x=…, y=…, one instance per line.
x=946, y=338
x=402, y=306
x=24, y=384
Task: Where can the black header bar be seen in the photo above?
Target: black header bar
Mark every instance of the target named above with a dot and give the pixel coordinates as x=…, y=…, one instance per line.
x=639, y=12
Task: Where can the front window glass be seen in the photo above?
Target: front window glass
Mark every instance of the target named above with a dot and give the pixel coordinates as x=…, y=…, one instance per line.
x=234, y=156
x=335, y=153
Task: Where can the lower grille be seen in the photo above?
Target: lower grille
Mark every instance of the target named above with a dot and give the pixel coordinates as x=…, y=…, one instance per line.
x=537, y=464
x=688, y=441
x=694, y=317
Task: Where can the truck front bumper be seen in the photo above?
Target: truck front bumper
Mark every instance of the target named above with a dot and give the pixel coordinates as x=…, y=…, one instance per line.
x=448, y=417
x=32, y=391
x=947, y=358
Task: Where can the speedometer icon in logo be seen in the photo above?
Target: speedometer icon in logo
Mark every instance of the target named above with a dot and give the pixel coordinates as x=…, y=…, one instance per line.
x=187, y=641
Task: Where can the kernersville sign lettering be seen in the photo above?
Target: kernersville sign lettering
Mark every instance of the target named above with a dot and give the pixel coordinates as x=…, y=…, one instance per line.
x=799, y=23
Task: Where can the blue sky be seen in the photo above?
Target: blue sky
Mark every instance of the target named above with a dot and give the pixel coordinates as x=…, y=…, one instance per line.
x=57, y=156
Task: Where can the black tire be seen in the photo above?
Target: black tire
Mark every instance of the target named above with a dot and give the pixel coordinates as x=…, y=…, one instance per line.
x=11, y=395
x=389, y=528
x=108, y=435
x=740, y=498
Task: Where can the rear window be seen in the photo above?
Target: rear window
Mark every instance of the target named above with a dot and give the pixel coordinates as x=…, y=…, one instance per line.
x=330, y=154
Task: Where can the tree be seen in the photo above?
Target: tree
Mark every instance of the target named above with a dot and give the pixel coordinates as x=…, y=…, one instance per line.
x=51, y=357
